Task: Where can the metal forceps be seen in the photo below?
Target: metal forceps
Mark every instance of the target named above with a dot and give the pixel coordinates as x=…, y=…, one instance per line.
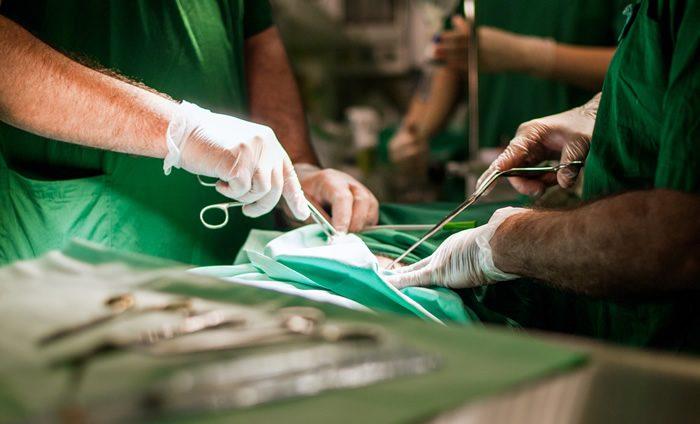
x=513, y=172
x=316, y=215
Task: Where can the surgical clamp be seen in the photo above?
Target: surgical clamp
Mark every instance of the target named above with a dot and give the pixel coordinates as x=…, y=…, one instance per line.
x=316, y=215
x=513, y=172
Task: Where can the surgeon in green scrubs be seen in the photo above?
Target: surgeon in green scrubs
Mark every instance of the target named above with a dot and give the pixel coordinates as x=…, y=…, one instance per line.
x=82, y=148
x=625, y=266
x=536, y=57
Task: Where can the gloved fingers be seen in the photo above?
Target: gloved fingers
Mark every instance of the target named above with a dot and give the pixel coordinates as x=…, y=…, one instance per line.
x=292, y=193
x=239, y=179
x=363, y=204
x=529, y=186
x=261, y=184
x=413, y=267
x=577, y=149
x=419, y=277
x=269, y=200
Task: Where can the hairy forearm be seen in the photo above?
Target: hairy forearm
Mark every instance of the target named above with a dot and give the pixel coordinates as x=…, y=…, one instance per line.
x=273, y=93
x=443, y=93
x=638, y=242
x=44, y=92
x=581, y=66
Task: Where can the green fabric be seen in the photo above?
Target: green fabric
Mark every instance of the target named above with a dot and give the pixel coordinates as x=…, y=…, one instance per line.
x=647, y=135
x=303, y=259
x=662, y=322
x=52, y=191
x=507, y=100
x=476, y=362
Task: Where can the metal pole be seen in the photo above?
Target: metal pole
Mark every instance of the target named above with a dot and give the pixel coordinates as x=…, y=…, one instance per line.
x=472, y=95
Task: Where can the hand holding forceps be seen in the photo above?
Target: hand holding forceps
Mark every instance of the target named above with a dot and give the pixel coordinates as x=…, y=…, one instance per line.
x=513, y=172
x=316, y=215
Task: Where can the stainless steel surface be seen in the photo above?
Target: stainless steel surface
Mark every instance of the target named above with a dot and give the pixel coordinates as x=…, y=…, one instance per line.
x=473, y=90
x=267, y=378
x=513, y=172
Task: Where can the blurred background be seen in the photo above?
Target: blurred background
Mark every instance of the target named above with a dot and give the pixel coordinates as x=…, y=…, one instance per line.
x=359, y=63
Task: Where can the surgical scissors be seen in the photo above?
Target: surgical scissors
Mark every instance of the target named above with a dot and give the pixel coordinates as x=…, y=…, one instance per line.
x=316, y=215
x=513, y=172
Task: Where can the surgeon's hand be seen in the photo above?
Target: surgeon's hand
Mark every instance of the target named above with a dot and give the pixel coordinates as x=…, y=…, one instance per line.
x=407, y=145
x=464, y=260
x=565, y=136
x=353, y=206
x=251, y=165
x=499, y=51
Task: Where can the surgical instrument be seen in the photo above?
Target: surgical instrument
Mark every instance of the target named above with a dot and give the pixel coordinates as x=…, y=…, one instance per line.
x=316, y=215
x=119, y=305
x=452, y=226
x=513, y=172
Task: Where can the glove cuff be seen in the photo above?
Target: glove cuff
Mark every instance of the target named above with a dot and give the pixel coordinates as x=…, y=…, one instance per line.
x=179, y=129
x=483, y=241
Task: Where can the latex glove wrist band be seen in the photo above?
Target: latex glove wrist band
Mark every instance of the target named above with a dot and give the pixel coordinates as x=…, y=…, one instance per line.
x=179, y=129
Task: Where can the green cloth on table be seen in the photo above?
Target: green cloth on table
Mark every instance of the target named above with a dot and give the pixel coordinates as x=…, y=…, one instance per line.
x=52, y=191
x=302, y=258
x=69, y=287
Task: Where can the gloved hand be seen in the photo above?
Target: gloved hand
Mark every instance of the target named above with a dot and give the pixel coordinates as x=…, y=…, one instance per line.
x=251, y=165
x=499, y=51
x=464, y=260
x=353, y=206
x=407, y=145
x=565, y=136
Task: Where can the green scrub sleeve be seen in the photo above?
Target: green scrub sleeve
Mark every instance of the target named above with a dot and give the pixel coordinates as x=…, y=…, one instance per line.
x=258, y=17
x=679, y=151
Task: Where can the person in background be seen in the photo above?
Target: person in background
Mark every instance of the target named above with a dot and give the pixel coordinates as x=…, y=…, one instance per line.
x=82, y=148
x=625, y=266
x=536, y=57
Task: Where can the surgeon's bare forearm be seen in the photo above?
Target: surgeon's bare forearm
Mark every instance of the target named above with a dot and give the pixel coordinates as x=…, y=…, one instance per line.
x=638, y=242
x=439, y=104
x=581, y=66
x=274, y=95
x=46, y=93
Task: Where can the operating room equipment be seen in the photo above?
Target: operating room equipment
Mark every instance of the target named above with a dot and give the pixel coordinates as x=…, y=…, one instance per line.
x=513, y=172
x=469, y=8
x=119, y=305
x=262, y=379
x=316, y=215
x=190, y=325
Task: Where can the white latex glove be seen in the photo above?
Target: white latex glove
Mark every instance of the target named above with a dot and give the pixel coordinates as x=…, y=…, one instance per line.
x=464, y=260
x=251, y=165
x=353, y=206
x=565, y=136
x=499, y=50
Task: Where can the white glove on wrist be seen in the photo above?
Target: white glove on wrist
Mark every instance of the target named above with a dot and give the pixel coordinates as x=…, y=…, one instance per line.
x=464, y=260
x=251, y=165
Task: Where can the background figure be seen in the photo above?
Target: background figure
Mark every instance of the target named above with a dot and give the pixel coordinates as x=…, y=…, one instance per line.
x=537, y=57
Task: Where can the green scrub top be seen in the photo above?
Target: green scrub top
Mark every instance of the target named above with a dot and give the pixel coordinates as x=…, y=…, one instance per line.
x=506, y=100
x=52, y=191
x=647, y=135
